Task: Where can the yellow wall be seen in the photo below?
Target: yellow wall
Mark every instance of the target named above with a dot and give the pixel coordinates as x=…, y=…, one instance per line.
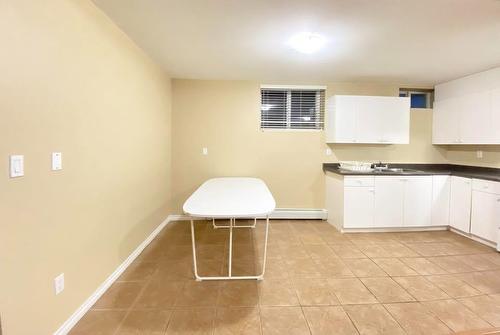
x=70, y=81
x=466, y=155
x=224, y=116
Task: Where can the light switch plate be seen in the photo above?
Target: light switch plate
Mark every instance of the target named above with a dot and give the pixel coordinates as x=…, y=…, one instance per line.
x=16, y=166
x=205, y=151
x=56, y=161
x=59, y=284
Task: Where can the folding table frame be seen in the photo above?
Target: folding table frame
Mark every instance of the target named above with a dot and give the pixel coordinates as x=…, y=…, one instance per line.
x=230, y=258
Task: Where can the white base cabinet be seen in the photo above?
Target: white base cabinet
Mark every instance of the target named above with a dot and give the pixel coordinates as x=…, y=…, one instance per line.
x=471, y=206
x=485, y=216
x=418, y=201
x=441, y=186
x=379, y=202
x=460, y=203
x=403, y=201
x=389, y=198
x=358, y=207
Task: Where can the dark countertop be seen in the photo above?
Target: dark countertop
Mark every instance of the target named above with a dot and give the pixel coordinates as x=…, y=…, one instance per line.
x=466, y=171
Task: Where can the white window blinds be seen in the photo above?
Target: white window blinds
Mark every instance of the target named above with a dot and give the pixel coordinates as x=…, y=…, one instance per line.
x=292, y=107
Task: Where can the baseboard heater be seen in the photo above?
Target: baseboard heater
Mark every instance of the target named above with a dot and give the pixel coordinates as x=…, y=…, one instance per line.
x=280, y=213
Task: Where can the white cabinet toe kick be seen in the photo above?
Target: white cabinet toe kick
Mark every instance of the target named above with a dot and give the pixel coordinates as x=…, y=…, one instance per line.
x=470, y=207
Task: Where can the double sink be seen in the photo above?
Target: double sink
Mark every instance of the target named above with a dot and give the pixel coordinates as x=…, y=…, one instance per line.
x=395, y=170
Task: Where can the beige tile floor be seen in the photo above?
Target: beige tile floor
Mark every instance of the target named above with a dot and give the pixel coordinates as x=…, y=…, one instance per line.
x=317, y=281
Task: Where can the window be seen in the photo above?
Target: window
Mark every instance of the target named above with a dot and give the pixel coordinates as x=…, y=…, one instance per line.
x=419, y=97
x=292, y=107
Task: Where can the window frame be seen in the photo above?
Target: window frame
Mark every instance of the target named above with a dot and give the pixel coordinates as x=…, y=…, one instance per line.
x=289, y=89
x=429, y=93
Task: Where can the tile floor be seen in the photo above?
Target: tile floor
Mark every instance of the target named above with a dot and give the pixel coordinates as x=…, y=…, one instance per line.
x=317, y=281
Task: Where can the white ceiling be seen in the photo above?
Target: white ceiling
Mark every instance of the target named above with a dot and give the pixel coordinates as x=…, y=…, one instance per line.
x=418, y=41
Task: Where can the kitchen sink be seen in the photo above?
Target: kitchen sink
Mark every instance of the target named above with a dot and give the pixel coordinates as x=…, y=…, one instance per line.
x=397, y=170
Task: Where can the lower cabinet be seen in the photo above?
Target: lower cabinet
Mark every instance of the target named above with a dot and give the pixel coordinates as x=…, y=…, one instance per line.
x=460, y=203
x=403, y=201
x=418, y=201
x=485, y=216
x=358, y=207
x=440, y=200
x=389, y=197
x=469, y=205
x=379, y=202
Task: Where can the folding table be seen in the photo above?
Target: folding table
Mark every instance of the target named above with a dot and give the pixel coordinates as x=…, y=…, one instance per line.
x=230, y=198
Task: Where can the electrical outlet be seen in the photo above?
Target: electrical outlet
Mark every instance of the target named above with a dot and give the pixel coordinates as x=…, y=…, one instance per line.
x=59, y=283
x=328, y=151
x=479, y=154
x=205, y=151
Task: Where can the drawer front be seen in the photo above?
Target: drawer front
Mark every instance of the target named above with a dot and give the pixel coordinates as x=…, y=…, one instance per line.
x=486, y=186
x=359, y=181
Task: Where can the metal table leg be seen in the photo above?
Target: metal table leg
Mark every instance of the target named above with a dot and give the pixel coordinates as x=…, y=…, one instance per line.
x=230, y=276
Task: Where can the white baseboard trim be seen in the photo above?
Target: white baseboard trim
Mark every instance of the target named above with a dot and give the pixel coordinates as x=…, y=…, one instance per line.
x=279, y=213
x=392, y=230
x=473, y=237
x=80, y=312
x=299, y=213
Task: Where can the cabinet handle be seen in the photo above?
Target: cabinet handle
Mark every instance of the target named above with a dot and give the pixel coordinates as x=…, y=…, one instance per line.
x=498, y=200
x=485, y=187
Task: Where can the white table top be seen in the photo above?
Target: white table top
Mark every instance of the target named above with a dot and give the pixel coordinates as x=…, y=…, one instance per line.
x=231, y=197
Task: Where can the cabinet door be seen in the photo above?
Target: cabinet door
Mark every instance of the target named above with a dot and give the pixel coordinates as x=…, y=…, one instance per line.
x=440, y=200
x=358, y=207
x=418, y=201
x=445, y=122
x=460, y=203
x=475, y=118
x=485, y=218
x=369, y=120
x=396, y=120
x=341, y=125
x=495, y=115
x=389, y=196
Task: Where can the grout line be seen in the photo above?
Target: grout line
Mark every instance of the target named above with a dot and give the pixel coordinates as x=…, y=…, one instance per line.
x=130, y=308
x=296, y=233
x=352, y=321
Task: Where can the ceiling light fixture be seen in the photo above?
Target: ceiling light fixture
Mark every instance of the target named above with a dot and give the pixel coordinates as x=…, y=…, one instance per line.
x=307, y=42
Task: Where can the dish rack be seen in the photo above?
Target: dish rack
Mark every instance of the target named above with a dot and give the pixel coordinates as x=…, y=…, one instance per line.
x=356, y=166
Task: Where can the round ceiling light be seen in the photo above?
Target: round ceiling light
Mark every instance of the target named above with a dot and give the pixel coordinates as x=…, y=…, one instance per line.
x=307, y=42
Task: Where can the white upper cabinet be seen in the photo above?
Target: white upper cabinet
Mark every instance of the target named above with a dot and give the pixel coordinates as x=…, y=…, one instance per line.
x=445, y=122
x=368, y=119
x=467, y=110
x=341, y=126
x=495, y=114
